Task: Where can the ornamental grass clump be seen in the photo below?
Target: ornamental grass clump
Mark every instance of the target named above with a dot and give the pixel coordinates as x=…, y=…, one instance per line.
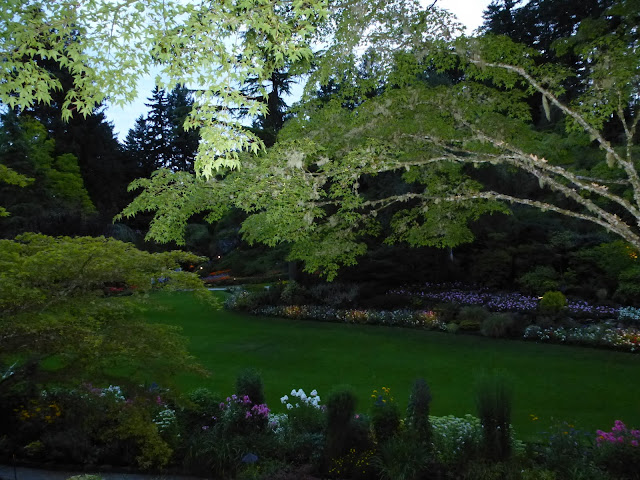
x=493, y=401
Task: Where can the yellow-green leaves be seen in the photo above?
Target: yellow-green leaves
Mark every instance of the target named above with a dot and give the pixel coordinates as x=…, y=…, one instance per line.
x=108, y=45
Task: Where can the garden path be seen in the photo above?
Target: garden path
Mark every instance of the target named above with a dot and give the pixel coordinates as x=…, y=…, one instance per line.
x=23, y=473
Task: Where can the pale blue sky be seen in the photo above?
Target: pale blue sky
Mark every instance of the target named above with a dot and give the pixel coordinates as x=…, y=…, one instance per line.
x=469, y=12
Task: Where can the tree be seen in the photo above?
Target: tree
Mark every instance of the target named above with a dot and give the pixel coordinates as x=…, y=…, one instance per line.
x=310, y=189
x=160, y=140
x=192, y=43
x=56, y=193
x=78, y=300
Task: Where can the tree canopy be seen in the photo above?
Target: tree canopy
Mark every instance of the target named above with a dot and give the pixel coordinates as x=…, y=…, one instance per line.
x=393, y=147
x=107, y=46
x=77, y=302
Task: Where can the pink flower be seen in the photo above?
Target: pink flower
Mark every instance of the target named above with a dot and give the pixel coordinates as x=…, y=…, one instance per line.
x=205, y=427
x=634, y=443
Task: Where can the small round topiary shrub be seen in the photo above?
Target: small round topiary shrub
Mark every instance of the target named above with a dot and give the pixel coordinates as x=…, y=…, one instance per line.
x=552, y=303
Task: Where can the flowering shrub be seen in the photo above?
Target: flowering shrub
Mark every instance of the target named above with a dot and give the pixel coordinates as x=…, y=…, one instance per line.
x=385, y=415
x=313, y=400
x=240, y=416
x=629, y=315
x=619, y=435
x=619, y=450
x=455, y=438
x=594, y=335
x=165, y=419
x=304, y=412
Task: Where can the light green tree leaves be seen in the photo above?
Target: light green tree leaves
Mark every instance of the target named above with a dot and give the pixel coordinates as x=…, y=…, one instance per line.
x=55, y=302
x=107, y=45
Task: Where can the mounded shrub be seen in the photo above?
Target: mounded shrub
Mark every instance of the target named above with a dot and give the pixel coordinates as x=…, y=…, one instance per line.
x=553, y=303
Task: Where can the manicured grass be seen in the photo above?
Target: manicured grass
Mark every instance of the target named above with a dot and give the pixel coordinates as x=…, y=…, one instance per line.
x=587, y=387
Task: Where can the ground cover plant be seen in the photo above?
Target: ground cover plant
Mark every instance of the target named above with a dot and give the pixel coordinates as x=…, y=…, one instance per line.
x=552, y=382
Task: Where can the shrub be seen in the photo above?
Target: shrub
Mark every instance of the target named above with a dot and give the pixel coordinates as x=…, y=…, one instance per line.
x=629, y=285
x=402, y=458
x=334, y=294
x=204, y=399
x=497, y=325
x=541, y=279
x=469, y=325
x=629, y=316
x=446, y=312
x=294, y=294
x=452, y=327
x=619, y=451
x=385, y=415
x=304, y=413
x=418, y=411
x=341, y=406
x=472, y=313
x=553, y=303
x=455, y=439
x=249, y=383
x=493, y=401
x=569, y=452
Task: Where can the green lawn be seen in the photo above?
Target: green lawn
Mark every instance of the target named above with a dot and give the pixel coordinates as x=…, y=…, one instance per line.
x=588, y=387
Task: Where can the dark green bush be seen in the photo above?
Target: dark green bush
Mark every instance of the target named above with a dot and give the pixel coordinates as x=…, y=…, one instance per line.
x=294, y=294
x=493, y=402
x=402, y=458
x=334, y=294
x=472, y=314
x=418, y=411
x=497, y=325
x=341, y=407
x=249, y=382
x=470, y=325
x=541, y=279
x=446, y=312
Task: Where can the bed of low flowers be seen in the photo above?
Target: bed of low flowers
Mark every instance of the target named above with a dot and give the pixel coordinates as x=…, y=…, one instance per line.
x=425, y=319
x=603, y=335
x=499, y=301
x=620, y=330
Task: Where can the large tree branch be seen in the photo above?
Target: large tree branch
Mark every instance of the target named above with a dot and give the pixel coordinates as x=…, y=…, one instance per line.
x=626, y=163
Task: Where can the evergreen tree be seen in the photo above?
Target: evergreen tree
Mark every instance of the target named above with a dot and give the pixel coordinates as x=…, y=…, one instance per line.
x=160, y=140
x=184, y=143
x=56, y=201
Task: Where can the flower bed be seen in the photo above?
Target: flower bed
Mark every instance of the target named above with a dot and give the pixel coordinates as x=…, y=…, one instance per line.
x=401, y=318
x=591, y=335
x=500, y=302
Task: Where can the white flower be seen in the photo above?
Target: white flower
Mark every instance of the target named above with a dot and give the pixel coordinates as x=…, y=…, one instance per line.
x=314, y=392
x=301, y=393
x=289, y=406
x=284, y=399
x=303, y=397
x=294, y=393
